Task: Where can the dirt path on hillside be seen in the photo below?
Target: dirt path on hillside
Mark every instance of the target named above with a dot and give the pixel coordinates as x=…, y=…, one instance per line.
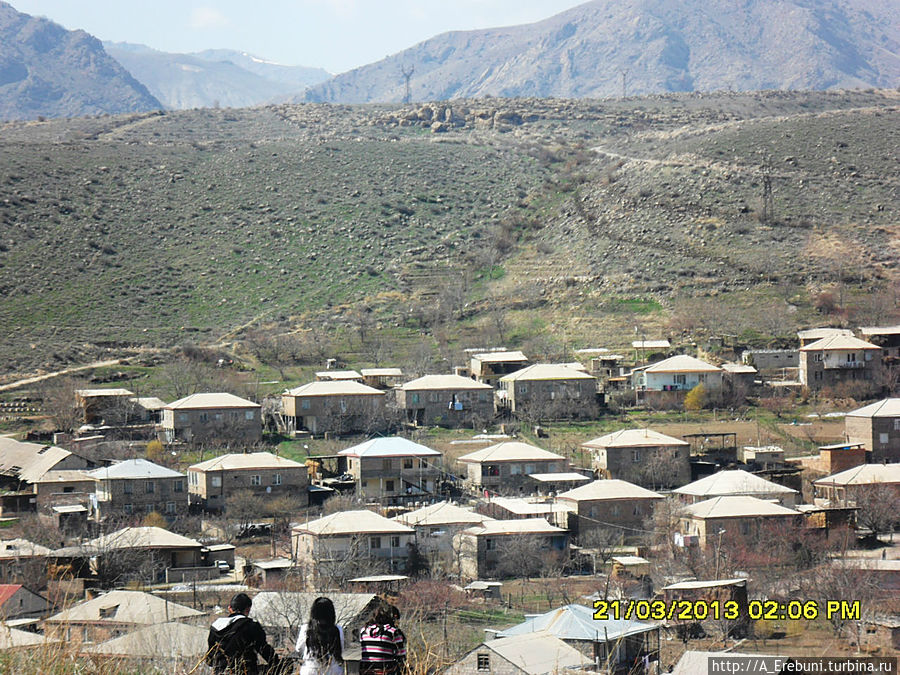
x=66, y=371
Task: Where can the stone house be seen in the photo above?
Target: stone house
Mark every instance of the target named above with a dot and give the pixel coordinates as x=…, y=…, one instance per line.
x=113, y=614
x=810, y=335
x=679, y=373
x=23, y=562
x=877, y=427
x=641, y=456
x=505, y=467
x=218, y=417
x=63, y=487
x=840, y=359
x=736, y=483
x=334, y=407
x=537, y=653
x=845, y=487
x=345, y=544
x=733, y=518
x=107, y=406
x=608, y=504
x=436, y=526
x=548, y=390
x=489, y=367
x=393, y=470
x=138, y=487
x=210, y=483
x=521, y=508
x=446, y=400
x=485, y=548
x=18, y=602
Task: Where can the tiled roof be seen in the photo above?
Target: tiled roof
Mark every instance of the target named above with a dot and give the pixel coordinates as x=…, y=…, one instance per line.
x=392, y=446
x=608, y=489
x=510, y=451
x=633, y=438
x=133, y=469
x=249, y=460
x=211, y=401
x=736, y=482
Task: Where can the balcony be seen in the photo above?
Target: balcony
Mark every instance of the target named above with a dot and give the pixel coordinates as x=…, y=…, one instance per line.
x=841, y=365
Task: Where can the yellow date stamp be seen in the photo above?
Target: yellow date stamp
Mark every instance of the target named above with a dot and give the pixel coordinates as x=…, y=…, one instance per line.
x=728, y=610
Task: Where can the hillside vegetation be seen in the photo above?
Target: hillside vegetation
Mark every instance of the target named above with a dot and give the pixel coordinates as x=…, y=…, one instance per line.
x=476, y=221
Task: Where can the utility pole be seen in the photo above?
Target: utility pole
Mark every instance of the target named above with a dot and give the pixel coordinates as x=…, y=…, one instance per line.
x=407, y=75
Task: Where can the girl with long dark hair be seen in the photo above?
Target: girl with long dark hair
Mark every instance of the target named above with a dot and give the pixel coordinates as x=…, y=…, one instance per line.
x=320, y=643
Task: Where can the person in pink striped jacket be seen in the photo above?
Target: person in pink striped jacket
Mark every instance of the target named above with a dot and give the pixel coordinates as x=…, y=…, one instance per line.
x=382, y=643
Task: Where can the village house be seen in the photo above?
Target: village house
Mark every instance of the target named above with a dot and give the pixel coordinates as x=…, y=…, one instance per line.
x=436, y=527
x=446, y=400
x=841, y=358
x=342, y=545
x=772, y=363
x=505, y=467
x=212, y=482
x=762, y=456
x=336, y=407
x=219, y=417
x=547, y=390
x=810, y=335
x=520, y=508
x=484, y=548
x=489, y=367
x=64, y=487
x=113, y=614
x=393, y=470
x=381, y=378
x=627, y=645
x=28, y=462
x=136, y=486
x=886, y=337
x=175, y=646
x=738, y=377
x=736, y=483
x=733, y=518
x=106, y=406
x=147, y=409
x=846, y=487
x=641, y=456
x=23, y=562
x=877, y=428
x=18, y=602
x=608, y=505
x=538, y=653
x=338, y=376
x=679, y=373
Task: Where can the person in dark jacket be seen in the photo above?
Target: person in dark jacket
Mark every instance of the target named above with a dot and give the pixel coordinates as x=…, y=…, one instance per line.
x=235, y=640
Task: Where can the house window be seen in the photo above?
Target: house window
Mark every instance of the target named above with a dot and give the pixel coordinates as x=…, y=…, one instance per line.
x=884, y=439
x=515, y=469
x=192, y=479
x=407, y=463
x=415, y=398
x=170, y=507
x=389, y=486
x=248, y=415
x=745, y=527
x=896, y=425
x=219, y=417
x=433, y=397
x=128, y=509
x=679, y=379
x=488, y=544
x=204, y=417
x=127, y=487
x=276, y=480
x=216, y=481
x=149, y=508
x=178, y=485
x=482, y=396
x=395, y=542
x=851, y=357
x=484, y=662
x=183, y=417
x=523, y=389
x=386, y=465
x=150, y=487
x=614, y=510
x=635, y=456
x=256, y=479
x=304, y=404
x=818, y=358
x=375, y=542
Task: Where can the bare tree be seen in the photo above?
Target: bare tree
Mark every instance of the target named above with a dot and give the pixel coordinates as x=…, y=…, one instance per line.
x=879, y=507
x=58, y=396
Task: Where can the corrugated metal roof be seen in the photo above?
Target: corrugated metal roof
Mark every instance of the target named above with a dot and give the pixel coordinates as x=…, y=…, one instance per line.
x=391, y=446
x=442, y=513
x=353, y=522
x=510, y=451
x=819, y=333
x=249, y=460
x=522, y=526
x=838, y=342
x=738, y=368
x=439, y=382
x=682, y=363
x=91, y=393
x=340, y=388
x=524, y=506
x=692, y=585
x=381, y=372
x=547, y=371
x=133, y=469
x=501, y=357
x=337, y=375
x=737, y=507
x=880, y=330
x=861, y=475
x=889, y=407
x=735, y=482
x=633, y=438
x=29, y=461
x=576, y=622
x=650, y=344
x=561, y=477
x=608, y=489
x=538, y=653
x=216, y=400
x=125, y=607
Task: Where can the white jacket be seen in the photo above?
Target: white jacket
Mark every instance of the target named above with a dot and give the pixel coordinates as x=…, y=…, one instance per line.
x=310, y=665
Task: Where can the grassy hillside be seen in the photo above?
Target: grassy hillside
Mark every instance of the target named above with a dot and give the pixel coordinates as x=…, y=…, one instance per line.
x=577, y=220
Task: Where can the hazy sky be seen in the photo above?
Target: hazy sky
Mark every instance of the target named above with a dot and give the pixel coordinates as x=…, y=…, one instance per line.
x=333, y=34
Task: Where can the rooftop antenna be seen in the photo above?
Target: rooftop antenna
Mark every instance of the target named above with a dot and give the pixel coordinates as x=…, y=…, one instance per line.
x=407, y=75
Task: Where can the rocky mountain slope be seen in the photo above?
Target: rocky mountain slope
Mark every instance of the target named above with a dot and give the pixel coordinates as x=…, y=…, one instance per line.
x=656, y=45
x=502, y=221
x=50, y=71
x=214, y=77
